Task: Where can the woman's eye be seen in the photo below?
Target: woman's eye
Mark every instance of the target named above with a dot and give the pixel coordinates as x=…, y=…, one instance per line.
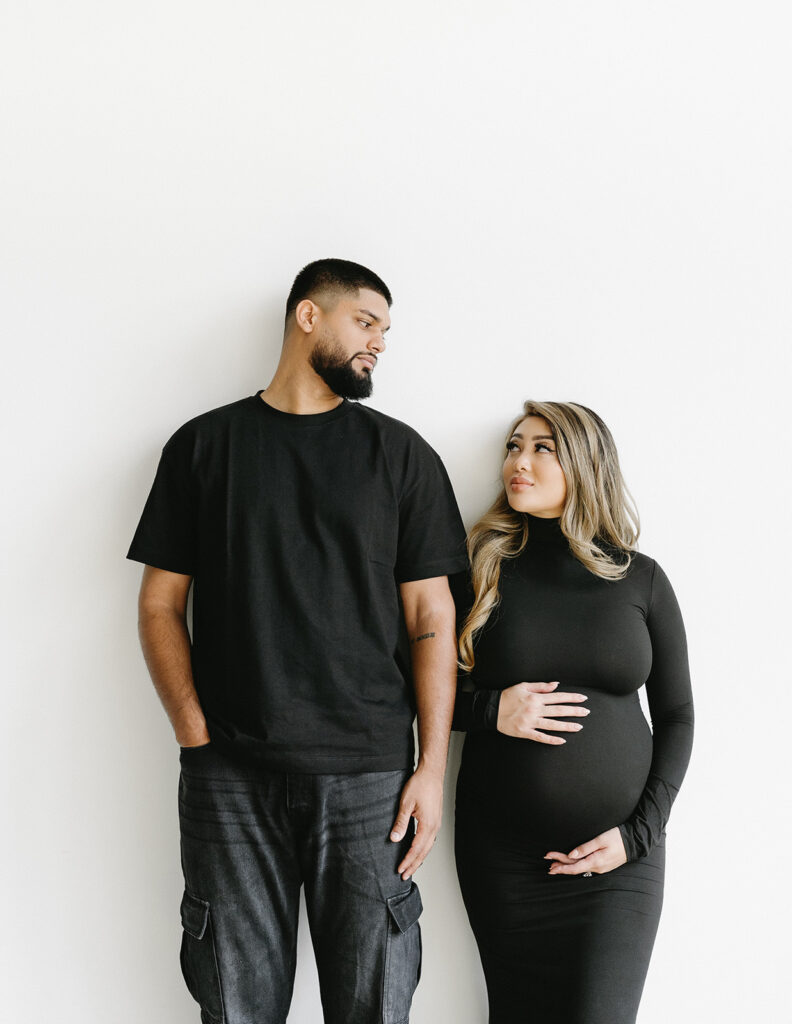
x=511, y=446
x=544, y=448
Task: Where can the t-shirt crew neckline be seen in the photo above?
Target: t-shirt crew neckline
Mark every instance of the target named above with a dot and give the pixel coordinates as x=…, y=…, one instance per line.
x=300, y=419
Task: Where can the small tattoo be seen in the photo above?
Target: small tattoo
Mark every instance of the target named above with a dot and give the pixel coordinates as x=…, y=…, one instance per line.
x=423, y=636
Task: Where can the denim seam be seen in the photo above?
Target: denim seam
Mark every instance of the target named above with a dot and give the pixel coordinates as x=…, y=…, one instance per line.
x=217, y=971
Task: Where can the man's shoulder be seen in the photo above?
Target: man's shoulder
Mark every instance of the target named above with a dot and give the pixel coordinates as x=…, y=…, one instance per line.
x=388, y=426
x=214, y=420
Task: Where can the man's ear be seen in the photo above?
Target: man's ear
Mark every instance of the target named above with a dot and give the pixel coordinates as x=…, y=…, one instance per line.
x=307, y=315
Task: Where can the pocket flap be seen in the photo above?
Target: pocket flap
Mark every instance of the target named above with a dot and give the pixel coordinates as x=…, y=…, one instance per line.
x=405, y=908
x=194, y=915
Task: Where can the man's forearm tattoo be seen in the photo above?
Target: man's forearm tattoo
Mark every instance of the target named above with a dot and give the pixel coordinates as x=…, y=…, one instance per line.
x=423, y=636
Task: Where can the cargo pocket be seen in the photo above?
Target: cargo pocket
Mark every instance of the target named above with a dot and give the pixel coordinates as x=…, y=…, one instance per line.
x=199, y=960
x=402, y=955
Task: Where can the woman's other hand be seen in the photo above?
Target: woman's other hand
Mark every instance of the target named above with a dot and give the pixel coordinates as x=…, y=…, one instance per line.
x=596, y=857
x=528, y=707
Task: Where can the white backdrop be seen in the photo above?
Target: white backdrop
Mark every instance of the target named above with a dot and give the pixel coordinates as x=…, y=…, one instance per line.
x=584, y=201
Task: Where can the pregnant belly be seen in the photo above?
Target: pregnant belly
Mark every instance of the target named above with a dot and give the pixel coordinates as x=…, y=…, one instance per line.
x=563, y=795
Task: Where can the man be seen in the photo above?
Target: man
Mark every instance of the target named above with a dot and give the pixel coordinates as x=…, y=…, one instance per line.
x=312, y=529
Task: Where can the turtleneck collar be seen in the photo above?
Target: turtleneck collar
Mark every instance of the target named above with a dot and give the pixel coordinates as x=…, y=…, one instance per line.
x=544, y=531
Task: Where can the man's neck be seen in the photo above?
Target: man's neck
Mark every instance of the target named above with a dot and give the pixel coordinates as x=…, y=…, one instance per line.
x=300, y=392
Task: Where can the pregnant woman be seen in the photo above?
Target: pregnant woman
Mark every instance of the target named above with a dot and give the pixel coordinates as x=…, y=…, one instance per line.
x=564, y=792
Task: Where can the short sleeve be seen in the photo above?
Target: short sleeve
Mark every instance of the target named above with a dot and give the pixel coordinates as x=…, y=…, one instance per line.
x=431, y=534
x=165, y=536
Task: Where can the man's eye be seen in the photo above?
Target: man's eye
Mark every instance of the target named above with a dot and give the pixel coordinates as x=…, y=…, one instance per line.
x=364, y=323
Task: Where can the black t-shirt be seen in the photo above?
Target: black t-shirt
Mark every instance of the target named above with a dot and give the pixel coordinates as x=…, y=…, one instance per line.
x=297, y=531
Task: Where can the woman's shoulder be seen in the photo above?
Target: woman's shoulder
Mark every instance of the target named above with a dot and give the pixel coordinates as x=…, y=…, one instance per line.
x=642, y=574
x=642, y=567
x=641, y=562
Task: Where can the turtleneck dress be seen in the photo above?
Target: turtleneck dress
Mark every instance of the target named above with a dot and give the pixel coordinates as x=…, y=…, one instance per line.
x=570, y=949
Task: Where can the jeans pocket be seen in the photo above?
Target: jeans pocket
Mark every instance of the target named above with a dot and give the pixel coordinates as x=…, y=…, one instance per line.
x=199, y=959
x=402, y=955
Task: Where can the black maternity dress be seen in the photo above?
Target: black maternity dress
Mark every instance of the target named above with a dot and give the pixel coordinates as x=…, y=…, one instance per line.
x=570, y=949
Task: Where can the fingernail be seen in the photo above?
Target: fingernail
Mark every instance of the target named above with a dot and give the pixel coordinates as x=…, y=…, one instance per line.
x=395, y=836
x=586, y=711
x=575, y=853
x=406, y=878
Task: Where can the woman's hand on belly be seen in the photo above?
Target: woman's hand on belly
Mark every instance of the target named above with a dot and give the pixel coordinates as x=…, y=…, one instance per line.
x=596, y=857
x=526, y=708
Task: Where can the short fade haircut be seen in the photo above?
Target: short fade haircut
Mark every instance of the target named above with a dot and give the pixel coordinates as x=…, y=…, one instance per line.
x=333, y=276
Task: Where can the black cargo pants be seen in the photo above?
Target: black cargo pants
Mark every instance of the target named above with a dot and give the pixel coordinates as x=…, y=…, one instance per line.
x=250, y=838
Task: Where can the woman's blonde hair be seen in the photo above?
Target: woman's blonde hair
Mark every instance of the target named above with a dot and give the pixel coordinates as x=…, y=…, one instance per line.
x=599, y=518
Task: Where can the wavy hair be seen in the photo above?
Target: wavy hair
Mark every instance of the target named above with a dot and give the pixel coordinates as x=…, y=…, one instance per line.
x=599, y=518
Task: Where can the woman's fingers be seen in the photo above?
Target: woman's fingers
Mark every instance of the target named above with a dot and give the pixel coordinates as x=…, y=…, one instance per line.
x=527, y=708
x=596, y=857
x=551, y=723
x=587, y=848
x=576, y=867
x=561, y=711
x=542, y=737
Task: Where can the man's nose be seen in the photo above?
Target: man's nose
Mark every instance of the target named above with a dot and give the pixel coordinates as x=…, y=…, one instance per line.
x=377, y=342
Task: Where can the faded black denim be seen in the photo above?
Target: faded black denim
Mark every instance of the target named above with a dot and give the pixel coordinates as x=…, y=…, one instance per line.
x=250, y=838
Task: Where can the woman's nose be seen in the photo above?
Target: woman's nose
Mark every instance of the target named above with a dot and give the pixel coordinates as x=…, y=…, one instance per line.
x=523, y=462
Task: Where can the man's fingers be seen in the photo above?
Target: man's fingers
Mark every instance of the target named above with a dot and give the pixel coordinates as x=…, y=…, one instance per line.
x=401, y=824
x=413, y=858
x=419, y=849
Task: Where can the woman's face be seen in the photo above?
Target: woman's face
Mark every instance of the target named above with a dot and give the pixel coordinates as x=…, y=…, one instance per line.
x=532, y=475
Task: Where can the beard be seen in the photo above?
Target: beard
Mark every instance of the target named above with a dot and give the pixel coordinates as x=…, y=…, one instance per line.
x=329, y=360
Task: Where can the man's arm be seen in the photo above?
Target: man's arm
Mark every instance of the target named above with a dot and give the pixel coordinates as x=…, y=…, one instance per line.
x=165, y=641
x=430, y=618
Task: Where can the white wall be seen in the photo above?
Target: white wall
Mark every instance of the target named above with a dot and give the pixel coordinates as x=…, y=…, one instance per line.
x=569, y=200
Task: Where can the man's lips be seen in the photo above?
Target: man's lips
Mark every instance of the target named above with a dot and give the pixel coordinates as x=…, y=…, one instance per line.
x=368, y=361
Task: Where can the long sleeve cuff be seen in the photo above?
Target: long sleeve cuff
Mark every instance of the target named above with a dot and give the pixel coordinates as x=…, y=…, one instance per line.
x=476, y=711
x=485, y=709
x=643, y=829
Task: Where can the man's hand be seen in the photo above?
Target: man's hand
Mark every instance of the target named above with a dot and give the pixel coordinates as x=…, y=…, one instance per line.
x=596, y=857
x=422, y=799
